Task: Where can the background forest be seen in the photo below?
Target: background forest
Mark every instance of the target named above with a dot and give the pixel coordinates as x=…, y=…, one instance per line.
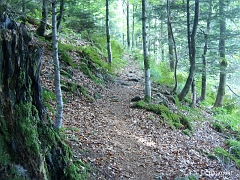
x=187, y=48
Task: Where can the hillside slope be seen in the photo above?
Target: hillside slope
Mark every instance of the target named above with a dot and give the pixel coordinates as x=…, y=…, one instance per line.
x=125, y=143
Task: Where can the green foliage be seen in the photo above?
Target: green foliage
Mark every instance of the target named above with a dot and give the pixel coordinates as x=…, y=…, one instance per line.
x=186, y=123
x=117, y=51
x=228, y=117
x=173, y=119
x=218, y=127
x=27, y=122
x=139, y=104
x=65, y=74
x=161, y=73
x=235, y=148
x=48, y=96
x=233, y=154
x=63, y=51
x=77, y=170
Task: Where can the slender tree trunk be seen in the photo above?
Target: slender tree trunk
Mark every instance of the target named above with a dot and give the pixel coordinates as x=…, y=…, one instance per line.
x=133, y=26
x=43, y=24
x=204, y=68
x=61, y=14
x=174, y=64
x=223, y=61
x=145, y=53
x=194, y=94
x=192, y=49
x=108, y=33
x=128, y=26
x=162, y=43
x=170, y=38
x=58, y=92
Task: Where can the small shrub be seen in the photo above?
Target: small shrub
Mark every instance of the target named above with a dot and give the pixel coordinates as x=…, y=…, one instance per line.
x=218, y=127
x=139, y=104
x=63, y=51
x=186, y=123
x=235, y=148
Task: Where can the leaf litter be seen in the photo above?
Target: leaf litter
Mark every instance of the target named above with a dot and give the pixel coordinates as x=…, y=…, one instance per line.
x=125, y=143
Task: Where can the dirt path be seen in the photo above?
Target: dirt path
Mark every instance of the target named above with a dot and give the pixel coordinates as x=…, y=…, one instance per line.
x=126, y=143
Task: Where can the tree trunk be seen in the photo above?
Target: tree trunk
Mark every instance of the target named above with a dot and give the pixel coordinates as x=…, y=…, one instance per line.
x=204, y=70
x=194, y=95
x=58, y=92
x=43, y=24
x=192, y=49
x=133, y=25
x=128, y=26
x=173, y=66
x=31, y=148
x=162, y=42
x=108, y=33
x=61, y=14
x=145, y=53
x=170, y=49
x=223, y=61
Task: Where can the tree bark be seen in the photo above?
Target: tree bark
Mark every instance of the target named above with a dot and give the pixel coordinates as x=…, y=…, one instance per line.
x=32, y=149
x=170, y=38
x=204, y=62
x=61, y=14
x=192, y=49
x=128, y=26
x=108, y=33
x=173, y=65
x=58, y=91
x=43, y=24
x=223, y=61
x=145, y=53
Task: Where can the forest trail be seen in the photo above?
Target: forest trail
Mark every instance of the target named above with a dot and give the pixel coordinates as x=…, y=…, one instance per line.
x=126, y=143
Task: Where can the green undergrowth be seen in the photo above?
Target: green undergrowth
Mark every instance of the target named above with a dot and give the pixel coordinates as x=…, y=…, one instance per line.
x=76, y=89
x=175, y=120
x=232, y=154
x=48, y=96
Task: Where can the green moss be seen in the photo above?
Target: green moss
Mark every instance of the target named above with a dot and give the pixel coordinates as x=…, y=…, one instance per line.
x=186, y=123
x=63, y=51
x=187, y=132
x=4, y=130
x=4, y=156
x=147, y=99
x=233, y=154
x=139, y=104
x=27, y=122
x=173, y=119
x=48, y=96
x=217, y=126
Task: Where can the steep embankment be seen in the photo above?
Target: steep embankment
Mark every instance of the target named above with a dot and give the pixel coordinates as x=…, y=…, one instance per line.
x=126, y=143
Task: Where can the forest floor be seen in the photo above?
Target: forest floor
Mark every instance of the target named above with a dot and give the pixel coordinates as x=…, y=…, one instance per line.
x=125, y=143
